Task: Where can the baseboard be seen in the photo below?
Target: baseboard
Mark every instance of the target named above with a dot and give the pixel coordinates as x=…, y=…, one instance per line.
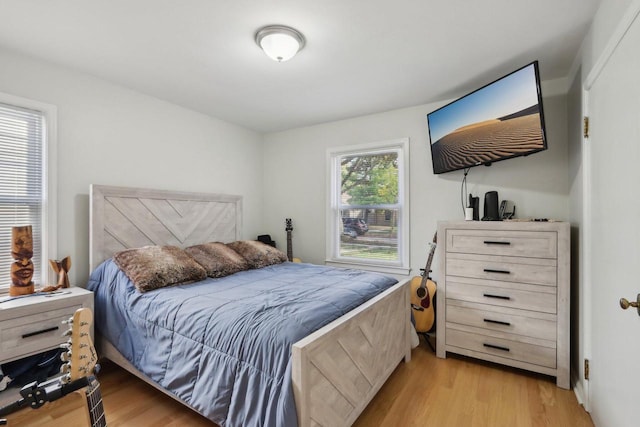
x=579, y=389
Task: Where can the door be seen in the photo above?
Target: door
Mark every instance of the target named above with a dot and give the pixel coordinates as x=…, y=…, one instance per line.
x=614, y=144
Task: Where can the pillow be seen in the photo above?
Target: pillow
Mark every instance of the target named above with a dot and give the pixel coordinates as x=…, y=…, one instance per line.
x=217, y=258
x=258, y=254
x=154, y=267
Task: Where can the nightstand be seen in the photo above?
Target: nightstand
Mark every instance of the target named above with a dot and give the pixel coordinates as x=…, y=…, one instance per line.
x=33, y=324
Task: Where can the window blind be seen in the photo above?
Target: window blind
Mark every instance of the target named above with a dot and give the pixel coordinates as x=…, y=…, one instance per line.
x=21, y=183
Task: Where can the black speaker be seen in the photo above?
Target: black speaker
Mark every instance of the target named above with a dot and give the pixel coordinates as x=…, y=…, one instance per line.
x=491, y=206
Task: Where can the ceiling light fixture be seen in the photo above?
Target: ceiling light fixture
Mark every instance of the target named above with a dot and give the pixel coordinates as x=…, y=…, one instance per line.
x=279, y=42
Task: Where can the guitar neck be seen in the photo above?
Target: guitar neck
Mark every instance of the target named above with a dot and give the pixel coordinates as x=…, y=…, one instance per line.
x=94, y=404
x=427, y=266
x=289, y=248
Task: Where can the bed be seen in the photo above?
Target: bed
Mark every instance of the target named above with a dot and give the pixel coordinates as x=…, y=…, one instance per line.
x=334, y=371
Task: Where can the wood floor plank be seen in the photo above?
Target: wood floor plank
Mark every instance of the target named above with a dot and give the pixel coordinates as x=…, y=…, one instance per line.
x=428, y=391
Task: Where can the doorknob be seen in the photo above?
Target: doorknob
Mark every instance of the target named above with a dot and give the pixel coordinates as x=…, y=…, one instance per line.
x=626, y=304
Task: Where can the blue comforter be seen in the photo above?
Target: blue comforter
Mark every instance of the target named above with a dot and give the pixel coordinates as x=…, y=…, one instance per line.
x=224, y=345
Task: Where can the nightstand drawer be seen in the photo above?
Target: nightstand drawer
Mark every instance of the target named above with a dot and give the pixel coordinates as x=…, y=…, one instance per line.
x=507, y=243
x=33, y=324
x=34, y=333
x=509, y=269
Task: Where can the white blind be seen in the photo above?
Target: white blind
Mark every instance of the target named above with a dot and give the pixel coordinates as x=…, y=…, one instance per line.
x=21, y=183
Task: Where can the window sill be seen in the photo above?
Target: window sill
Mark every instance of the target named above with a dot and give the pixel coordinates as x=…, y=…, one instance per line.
x=398, y=272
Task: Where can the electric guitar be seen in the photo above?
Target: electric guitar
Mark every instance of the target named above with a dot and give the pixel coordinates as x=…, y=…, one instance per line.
x=77, y=373
x=289, y=228
x=82, y=363
x=423, y=291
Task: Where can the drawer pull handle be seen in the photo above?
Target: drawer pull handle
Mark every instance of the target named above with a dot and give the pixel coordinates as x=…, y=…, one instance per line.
x=496, y=296
x=497, y=347
x=499, y=322
x=493, y=242
x=43, y=331
x=491, y=270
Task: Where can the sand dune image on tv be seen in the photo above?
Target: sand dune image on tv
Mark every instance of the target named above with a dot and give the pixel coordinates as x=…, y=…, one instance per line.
x=489, y=140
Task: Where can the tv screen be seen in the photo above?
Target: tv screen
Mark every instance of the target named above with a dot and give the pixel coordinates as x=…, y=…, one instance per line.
x=501, y=120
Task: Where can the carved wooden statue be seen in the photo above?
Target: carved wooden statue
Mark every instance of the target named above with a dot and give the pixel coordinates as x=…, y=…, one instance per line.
x=62, y=267
x=22, y=268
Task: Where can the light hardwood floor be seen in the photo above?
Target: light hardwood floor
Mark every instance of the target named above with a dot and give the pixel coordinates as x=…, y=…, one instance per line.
x=425, y=392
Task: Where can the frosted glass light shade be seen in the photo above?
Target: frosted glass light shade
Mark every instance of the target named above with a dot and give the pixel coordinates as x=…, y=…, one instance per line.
x=280, y=43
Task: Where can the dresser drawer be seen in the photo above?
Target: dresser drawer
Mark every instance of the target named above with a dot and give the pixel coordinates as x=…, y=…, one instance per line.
x=524, y=352
x=503, y=294
x=534, y=244
x=34, y=333
x=487, y=318
x=509, y=269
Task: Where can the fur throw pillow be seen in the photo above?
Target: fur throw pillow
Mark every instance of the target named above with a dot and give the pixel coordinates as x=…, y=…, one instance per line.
x=217, y=258
x=154, y=267
x=257, y=254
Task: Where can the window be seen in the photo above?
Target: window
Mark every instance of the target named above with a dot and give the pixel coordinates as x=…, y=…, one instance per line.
x=26, y=144
x=368, y=211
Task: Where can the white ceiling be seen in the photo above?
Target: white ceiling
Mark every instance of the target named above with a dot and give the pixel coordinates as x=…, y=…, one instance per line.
x=361, y=57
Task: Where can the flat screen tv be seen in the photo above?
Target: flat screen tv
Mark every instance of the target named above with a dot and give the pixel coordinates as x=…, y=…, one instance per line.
x=501, y=120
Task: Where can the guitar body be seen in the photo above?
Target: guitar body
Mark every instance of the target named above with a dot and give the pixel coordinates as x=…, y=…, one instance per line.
x=426, y=317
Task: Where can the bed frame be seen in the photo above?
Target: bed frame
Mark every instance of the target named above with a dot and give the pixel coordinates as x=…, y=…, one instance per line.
x=336, y=370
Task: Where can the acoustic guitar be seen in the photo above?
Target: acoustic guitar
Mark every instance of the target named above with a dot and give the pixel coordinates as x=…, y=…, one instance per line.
x=80, y=363
x=289, y=228
x=423, y=291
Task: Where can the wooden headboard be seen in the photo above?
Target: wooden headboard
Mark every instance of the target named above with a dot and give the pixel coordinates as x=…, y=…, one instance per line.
x=123, y=218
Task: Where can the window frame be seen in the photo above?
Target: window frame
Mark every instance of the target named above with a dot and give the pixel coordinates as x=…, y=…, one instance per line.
x=49, y=182
x=333, y=217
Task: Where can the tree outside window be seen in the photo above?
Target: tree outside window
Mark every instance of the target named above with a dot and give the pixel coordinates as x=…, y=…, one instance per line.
x=369, y=187
x=367, y=197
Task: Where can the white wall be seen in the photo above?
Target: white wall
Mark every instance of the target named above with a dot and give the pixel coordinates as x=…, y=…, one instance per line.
x=110, y=135
x=295, y=177
x=602, y=27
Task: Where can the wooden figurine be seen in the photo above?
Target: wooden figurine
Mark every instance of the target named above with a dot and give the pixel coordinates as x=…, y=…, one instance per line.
x=61, y=268
x=22, y=268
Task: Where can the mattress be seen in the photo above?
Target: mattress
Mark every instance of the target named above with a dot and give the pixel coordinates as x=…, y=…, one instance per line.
x=224, y=345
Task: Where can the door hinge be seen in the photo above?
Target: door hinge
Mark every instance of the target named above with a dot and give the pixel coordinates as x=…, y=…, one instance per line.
x=585, y=127
x=586, y=369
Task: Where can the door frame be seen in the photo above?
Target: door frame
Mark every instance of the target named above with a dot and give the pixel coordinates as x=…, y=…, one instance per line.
x=628, y=18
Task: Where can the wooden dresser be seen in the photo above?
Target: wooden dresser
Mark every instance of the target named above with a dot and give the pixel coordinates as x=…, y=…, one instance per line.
x=503, y=294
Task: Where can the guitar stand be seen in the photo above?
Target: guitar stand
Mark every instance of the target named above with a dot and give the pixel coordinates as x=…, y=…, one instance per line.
x=37, y=394
x=427, y=338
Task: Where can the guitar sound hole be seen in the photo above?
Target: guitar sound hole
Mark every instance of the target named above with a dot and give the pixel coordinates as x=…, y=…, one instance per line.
x=421, y=292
